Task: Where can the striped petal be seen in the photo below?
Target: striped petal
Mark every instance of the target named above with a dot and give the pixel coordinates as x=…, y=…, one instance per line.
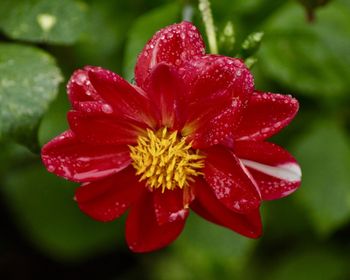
x=275, y=171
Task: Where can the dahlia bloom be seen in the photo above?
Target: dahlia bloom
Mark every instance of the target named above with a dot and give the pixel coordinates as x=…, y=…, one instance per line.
x=189, y=135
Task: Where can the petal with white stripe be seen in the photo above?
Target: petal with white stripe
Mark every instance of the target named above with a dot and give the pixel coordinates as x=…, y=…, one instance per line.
x=275, y=171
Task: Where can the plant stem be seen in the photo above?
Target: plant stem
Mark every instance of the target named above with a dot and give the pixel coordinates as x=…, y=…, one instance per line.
x=207, y=16
x=187, y=12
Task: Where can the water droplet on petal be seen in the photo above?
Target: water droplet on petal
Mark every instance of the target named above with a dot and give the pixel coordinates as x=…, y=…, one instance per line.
x=107, y=109
x=51, y=168
x=81, y=78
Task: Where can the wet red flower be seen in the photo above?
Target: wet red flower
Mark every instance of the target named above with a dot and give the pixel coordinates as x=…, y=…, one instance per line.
x=189, y=135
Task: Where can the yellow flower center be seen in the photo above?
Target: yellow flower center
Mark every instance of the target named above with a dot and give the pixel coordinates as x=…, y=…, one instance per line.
x=165, y=160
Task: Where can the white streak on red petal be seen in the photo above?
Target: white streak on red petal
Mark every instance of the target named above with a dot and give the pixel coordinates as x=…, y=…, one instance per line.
x=154, y=55
x=290, y=172
x=95, y=174
x=276, y=172
x=179, y=215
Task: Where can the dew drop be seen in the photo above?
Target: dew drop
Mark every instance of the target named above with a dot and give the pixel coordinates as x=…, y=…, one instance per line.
x=107, y=109
x=81, y=78
x=51, y=168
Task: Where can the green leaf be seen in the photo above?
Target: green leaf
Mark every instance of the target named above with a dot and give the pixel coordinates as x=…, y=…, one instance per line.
x=251, y=44
x=324, y=155
x=55, y=22
x=205, y=251
x=44, y=209
x=227, y=39
x=312, y=59
x=54, y=121
x=29, y=81
x=143, y=30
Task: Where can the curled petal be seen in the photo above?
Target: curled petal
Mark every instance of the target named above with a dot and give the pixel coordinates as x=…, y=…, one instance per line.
x=266, y=114
x=107, y=199
x=230, y=181
x=166, y=89
x=126, y=100
x=79, y=88
x=103, y=128
x=207, y=206
x=276, y=172
x=143, y=232
x=169, y=206
x=173, y=45
x=216, y=83
x=67, y=157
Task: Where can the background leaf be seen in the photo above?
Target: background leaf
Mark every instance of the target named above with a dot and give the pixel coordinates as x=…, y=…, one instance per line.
x=310, y=58
x=29, y=81
x=55, y=22
x=324, y=155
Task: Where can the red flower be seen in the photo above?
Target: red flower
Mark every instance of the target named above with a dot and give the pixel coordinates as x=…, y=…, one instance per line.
x=190, y=135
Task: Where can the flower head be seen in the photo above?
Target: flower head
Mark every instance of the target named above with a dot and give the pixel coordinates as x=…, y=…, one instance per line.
x=191, y=134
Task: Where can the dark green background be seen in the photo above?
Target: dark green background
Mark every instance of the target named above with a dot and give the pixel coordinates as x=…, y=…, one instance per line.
x=42, y=232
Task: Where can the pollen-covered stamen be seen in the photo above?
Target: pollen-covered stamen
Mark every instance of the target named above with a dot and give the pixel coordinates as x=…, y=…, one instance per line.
x=165, y=160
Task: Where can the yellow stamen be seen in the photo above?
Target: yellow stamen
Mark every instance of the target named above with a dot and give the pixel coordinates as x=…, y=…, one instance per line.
x=165, y=160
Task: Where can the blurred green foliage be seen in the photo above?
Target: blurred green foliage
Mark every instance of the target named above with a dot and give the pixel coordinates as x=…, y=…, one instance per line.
x=29, y=81
x=306, y=235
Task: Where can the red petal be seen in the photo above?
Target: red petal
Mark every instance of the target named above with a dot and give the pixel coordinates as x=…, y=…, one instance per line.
x=174, y=45
x=276, y=172
x=126, y=100
x=143, y=233
x=66, y=156
x=80, y=89
x=220, y=129
x=216, y=82
x=107, y=199
x=169, y=206
x=266, y=114
x=230, y=181
x=97, y=128
x=166, y=89
x=207, y=206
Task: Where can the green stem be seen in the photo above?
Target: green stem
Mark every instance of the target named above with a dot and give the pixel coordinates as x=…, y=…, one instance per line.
x=207, y=16
x=187, y=12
